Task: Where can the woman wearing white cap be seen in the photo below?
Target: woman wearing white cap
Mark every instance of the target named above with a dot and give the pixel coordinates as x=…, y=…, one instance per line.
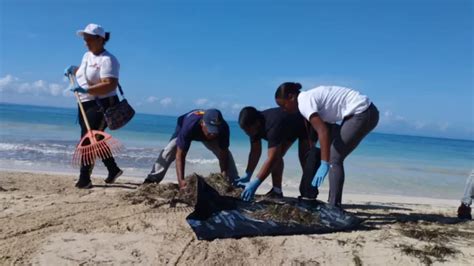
x=97, y=77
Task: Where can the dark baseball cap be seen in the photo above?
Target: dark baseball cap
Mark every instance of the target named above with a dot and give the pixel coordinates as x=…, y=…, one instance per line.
x=212, y=119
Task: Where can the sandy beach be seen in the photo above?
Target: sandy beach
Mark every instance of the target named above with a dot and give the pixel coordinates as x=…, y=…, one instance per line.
x=46, y=221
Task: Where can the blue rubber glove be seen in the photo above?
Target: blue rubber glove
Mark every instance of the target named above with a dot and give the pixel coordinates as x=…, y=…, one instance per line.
x=240, y=182
x=79, y=89
x=250, y=189
x=323, y=170
x=70, y=70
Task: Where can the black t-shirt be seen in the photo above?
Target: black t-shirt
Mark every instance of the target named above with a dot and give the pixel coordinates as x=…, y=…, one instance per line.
x=279, y=126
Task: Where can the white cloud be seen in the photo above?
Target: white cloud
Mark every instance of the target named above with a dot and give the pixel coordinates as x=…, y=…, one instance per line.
x=56, y=89
x=15, y=85
x=166, y=101
x=151, y=99
x=394, y=123
x=39, y=84
x=7, y=81
x=389, y=116
x=201, y=102
x=236, y=106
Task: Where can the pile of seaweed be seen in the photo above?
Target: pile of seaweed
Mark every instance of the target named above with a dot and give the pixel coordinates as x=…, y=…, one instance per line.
x=160, y=194
x=223, y=186
x=281, y=211
x=154, y=195
x=286, y=214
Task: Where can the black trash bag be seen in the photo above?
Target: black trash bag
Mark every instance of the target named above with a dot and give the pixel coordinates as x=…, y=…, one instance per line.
x=217, y=216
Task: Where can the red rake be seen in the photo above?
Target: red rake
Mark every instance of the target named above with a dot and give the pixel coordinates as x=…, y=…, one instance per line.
x=94, y=144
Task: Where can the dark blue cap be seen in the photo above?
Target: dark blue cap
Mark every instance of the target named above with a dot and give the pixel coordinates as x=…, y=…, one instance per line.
x=212, y=119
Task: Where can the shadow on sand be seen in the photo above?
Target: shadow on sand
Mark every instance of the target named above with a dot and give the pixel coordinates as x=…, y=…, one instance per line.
x=119, y=185
x=393, y=214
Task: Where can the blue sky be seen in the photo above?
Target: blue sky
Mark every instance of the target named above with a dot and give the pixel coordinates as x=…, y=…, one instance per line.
x=414, y=58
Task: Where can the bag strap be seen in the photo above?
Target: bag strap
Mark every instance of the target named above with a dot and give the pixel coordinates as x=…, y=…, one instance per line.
x=120, y=90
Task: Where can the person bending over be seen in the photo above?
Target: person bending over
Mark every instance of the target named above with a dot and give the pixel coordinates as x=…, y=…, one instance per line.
x=280, y=130
x=207, y=126
x=324, y=107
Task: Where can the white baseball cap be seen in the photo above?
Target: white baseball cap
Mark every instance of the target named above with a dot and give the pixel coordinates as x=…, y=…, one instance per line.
x=92, y=29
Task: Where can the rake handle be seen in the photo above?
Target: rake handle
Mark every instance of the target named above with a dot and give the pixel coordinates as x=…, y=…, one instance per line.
x=83, y=113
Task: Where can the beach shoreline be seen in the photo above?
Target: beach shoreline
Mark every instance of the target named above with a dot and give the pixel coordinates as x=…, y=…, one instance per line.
x=46, y=221
x=347, y=197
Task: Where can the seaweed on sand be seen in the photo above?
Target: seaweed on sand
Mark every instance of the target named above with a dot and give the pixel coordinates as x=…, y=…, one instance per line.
x=223, y=186
x=286, y=213
x=159, y=194
x=153, y=194
x=282, y=212
x=429, y=252
x=433, y=234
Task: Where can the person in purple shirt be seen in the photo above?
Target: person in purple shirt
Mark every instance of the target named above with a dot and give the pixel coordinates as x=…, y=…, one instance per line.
x=207, y=126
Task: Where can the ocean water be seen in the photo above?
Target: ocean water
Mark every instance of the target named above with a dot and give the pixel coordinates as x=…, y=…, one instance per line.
x=36, y=138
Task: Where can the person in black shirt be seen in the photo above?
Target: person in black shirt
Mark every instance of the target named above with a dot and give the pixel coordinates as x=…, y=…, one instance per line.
x=280, y=130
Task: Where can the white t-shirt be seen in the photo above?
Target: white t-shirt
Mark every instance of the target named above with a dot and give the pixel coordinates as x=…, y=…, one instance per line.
x=98, y=67
x=332, y=103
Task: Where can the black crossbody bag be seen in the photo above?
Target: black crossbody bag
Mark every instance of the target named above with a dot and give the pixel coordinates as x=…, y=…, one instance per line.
x=118, y=115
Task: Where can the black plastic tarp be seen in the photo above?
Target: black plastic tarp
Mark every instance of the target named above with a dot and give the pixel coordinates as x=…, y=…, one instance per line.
x=217, y=216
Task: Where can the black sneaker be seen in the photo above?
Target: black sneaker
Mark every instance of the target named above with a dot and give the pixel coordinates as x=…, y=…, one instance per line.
x=464, y=212
x=148, y=181
x=272, y=194
x=113, y=176
x=84, y=184
x=153, y=178
x=308, y=202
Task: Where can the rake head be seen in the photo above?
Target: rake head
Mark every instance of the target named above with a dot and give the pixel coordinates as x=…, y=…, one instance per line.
x=95, y=144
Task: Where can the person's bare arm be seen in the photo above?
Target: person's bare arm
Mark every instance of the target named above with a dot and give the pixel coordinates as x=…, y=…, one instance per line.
x=105, y=86
x=224, y=161
x=323, y=135
x=180, y=165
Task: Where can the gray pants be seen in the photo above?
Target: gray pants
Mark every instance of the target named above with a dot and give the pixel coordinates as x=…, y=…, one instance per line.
x=344, y=139
x=168, y=156
x=469, y=190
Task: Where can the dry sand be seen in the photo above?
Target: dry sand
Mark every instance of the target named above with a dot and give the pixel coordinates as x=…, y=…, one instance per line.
x=46, y=221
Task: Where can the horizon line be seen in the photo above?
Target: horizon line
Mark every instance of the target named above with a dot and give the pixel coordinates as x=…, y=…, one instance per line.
x=230, y=120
